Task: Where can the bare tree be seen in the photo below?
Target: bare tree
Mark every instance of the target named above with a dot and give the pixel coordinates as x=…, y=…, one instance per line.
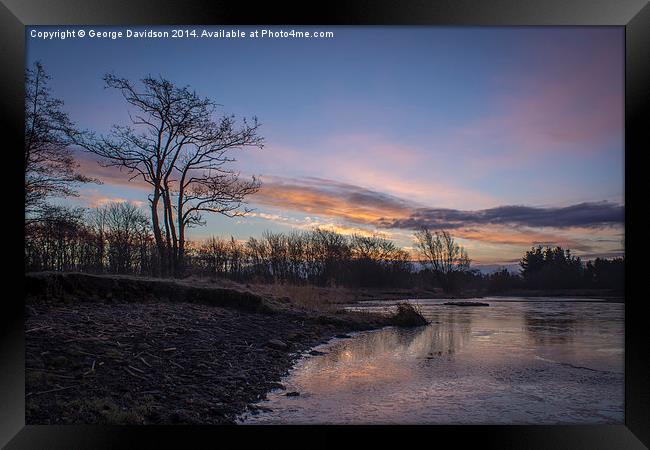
x=442, y=254
x=50, y=168
x=55, y=241
x=145, y=148
x=373, y=248
x=175, y=144
x=123, y=229
x=205, y=183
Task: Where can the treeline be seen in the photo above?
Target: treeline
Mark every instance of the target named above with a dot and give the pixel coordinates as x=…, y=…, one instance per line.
x=557, y=268
x=544, y=268
x=319, y=257
x=117, y=238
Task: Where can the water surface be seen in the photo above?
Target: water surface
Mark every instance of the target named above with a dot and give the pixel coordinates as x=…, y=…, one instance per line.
x=517, y=361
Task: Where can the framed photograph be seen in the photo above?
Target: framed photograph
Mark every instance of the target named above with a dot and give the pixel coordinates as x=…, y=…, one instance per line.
x=404, y=220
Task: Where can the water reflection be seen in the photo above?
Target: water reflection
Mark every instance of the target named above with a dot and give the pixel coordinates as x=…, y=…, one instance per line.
x=381, y=356
x=550, y=328
x=512, y=362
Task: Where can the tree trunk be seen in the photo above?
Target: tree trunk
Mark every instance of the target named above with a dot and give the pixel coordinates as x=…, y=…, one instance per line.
x=170, y=232
x=160, y=244
x=181, y=251
x=180, y=214
x=168, y=239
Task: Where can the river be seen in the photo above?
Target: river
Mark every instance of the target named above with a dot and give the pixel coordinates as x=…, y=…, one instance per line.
x=517, y=361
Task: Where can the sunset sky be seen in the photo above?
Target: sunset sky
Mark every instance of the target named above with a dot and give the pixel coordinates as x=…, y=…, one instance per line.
x=507, y=137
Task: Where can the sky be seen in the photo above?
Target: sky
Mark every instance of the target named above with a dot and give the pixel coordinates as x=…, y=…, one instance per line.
x=506, y=137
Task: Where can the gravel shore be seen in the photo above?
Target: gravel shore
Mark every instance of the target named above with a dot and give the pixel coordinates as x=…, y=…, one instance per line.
x=163, y=362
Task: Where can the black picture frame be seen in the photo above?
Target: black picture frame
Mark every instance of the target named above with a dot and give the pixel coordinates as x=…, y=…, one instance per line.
x=634, y=15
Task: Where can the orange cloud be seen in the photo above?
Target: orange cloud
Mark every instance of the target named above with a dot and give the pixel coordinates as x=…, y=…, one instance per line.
x=331, y=199
x=505, y=230
x=309, y=223
x=513, y=236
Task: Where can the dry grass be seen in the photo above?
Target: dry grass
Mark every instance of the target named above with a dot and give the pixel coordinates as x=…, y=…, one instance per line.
x=408, y=315
x=316, y=298
x=303, y=296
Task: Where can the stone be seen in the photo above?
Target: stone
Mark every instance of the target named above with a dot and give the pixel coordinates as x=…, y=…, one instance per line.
x=277, y=344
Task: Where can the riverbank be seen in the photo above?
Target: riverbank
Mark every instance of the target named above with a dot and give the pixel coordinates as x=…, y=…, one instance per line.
x=127, y=350
x=330, y=297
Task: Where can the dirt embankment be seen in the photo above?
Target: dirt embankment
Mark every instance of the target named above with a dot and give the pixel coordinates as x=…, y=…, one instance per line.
x=69, y=288
x=126, y=350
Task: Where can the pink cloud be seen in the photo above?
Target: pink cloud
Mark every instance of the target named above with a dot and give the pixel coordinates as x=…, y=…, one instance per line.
x=374, y=162
x=89, y=166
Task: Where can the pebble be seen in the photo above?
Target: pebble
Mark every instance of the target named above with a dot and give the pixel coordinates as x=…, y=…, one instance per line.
x=277, y=344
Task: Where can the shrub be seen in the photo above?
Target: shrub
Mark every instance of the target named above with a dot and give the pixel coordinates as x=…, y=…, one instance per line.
x=408, y=315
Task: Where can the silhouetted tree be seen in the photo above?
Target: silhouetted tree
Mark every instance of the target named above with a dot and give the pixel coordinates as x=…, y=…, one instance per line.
x=176, y=145
x=57, y=240
x=502, y=280
x=50, y=169
x=115, y=238
x=606, y=273
x=532, y=262
x=124, y=235
x=551, y=268
x=377, y=261
x=443, y=255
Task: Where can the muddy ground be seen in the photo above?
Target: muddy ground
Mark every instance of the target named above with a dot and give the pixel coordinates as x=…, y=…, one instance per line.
x=121, y=355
